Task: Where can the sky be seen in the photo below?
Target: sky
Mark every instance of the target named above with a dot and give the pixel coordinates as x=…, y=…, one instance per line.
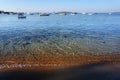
x=60, y=5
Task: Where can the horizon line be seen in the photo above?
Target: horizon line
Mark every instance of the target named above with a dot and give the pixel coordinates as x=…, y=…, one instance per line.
x=62, y=11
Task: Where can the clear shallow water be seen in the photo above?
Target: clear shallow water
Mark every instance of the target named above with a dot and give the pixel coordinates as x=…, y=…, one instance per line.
x=55, y=34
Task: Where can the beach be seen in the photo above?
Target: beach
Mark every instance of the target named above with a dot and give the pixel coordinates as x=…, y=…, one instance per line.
x=80, y=47
x=53, y=62
x=66, y=67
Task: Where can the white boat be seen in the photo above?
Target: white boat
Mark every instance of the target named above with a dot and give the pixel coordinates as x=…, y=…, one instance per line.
x=90, y=13
x=73, y=14
x=62, y=14
x=83, y=13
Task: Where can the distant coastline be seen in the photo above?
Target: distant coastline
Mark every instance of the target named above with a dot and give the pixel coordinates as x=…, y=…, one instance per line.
x=65, y=12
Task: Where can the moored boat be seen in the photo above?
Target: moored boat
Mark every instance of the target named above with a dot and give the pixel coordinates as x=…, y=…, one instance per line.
x=73, y=14
x=21, y=16
x=62, y=14
x=44, y=14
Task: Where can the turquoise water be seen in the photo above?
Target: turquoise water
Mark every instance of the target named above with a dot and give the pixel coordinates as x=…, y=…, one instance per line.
x=55, y=34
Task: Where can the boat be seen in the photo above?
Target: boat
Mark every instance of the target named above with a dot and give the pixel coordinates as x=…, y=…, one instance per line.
x=31, y=14
x=44, y=14
x=90, y=13
x=73, y=14
x=1, y=12
x=84, y=13
x=21, y=16
x=62, y=14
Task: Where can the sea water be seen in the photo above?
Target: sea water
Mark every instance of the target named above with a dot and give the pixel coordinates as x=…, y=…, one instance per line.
x=55, y=34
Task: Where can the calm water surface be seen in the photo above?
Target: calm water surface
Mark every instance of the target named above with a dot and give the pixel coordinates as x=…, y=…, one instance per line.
x=55, y=34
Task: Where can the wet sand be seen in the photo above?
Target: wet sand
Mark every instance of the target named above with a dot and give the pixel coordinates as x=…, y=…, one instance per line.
x=60, y=67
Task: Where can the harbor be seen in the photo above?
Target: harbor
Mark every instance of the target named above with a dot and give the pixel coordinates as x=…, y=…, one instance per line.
x=23, y=15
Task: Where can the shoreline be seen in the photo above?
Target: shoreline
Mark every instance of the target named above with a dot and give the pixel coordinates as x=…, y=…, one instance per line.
x=53, y=62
